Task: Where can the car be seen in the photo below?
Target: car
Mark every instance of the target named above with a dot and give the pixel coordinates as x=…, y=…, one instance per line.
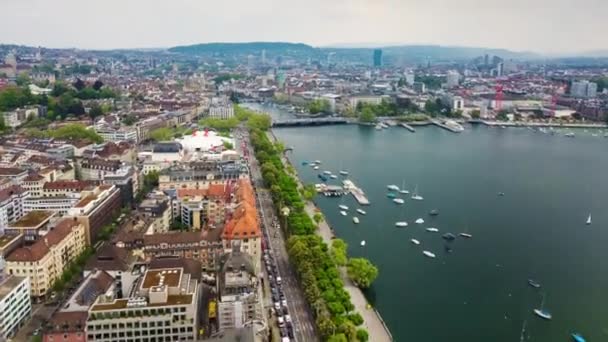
x=285, y=310
x=281, y=321
x=278, y=279
x=284, y=332
x=289, y=331
x=37, y=332
x=275, y=298
x=277, y=306
x=287, y=318
x=284, y=302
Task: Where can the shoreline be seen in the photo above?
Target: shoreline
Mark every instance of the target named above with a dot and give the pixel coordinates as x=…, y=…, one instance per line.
x=372, y=320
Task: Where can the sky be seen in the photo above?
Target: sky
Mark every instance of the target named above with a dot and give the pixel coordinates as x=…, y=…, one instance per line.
x=545, y=26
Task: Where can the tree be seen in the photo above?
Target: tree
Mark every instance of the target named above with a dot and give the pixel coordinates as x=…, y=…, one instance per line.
x=337, y=338
x=2, y=124
x=228, y=145
x=76, y=132
x=309, y=192
x=97, y=85
x=59, y=89
x=476, y=114
x=95, y=111
x=129, y=120
x=23, y=79
x=362, y=335
x=259, y=121
x=79, y=84
x=319, y=106
x=318, y=217
x=161, y=134
x=362, y=272
x=356, y=318
x=338, y=252
x=367, y=115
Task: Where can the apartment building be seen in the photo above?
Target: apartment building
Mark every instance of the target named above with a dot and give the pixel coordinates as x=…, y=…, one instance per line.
x=205, y=246
x=45, y=260
x=162, y=306
x=239, y=293
x=112, y=172
x=11, y=204
x=96, y=209
x=200, y=208
x=32, y=225
x=201, y=174
x=15, y=304
x=158, y=209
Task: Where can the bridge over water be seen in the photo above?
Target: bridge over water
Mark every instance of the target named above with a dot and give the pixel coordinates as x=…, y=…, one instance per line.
x=309, y=122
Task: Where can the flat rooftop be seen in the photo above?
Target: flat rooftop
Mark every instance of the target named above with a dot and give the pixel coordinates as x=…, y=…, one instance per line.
x=83, y=202
x=169, y=277
x=7, y=239
x=8, y=284
x=122, y=303
x=32, y=219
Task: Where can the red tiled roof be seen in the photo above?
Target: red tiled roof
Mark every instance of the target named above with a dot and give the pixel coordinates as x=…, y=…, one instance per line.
x=214, y=190
x=11, y=190
x=10, y=171
x=40, y=248
x=33, y=177
x=243, y=224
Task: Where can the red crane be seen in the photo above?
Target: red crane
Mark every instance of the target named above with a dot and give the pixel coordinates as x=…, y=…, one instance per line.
x=498, y=97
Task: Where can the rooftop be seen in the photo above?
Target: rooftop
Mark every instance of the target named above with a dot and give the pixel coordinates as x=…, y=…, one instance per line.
x=7, y=239
x=32, y=219
x=169, y=277
x=83, y=202
x=8, y=284
x=122, y=303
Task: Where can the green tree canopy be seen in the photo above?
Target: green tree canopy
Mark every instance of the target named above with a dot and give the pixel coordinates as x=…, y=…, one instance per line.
x=367, y=115
x=161, y=134
x=362, y=272
x=319, y=106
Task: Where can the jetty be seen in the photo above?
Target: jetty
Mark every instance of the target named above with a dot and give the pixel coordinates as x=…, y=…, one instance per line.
x=449, y=125
x=357, y=193
x=408, y=127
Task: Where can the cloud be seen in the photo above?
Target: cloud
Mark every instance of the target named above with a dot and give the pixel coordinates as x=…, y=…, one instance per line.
x=539, y=25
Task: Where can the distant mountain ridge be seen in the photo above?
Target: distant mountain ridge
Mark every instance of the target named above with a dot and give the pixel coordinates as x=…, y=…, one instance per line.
x=242, y=48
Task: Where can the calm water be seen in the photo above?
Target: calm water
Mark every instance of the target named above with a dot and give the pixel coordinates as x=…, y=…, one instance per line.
x=478, y=292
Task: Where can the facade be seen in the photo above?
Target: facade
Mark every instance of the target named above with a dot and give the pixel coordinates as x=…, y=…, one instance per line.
x=57, y=204
x=32, y=225
x=158, y=209
x=162, y=307
x=117, y=135
x=200, y=175
x=45, y=260
x=377, y=58
x=11, y=205
x=239, y=292
x=96, y=209
x=583, y=89
x=452, y=79
x=199, y=208
x=205, y=246
x=15, y=304
x=221, y=108
x=65, y=188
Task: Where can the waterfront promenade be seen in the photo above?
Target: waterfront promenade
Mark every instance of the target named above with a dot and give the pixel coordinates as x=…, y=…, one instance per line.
x=374, y=324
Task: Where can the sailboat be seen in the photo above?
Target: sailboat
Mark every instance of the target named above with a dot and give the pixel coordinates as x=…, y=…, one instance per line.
x=398, y=200
x=403, y=190
x=542, y=312
x=466, y=234
x=588, y=220
x=355, y=219
x=416, y=196
x=415, y=242
x=363, y=243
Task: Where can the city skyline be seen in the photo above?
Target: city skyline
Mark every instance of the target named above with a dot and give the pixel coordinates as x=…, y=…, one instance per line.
x=543, y=27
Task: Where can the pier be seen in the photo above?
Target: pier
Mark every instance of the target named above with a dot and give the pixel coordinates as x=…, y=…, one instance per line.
x=408, y=127
x=452, y=127
x=357, y=193
x=309, y=122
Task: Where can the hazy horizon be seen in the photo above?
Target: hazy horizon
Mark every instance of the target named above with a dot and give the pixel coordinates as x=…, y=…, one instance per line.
x=557, y=27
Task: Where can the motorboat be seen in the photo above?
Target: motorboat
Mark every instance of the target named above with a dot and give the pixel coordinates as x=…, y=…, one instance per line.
x=391, y=195
x=315, y=167
x=466, y=235
x=578, y=337
x=401, y=224
x=420, y=221
x=392, y=187
x=327, y=172
x=361, y=211
x=304, y=163
x=317, y=162
x=333, y=176
x=355, y=219
x=398, y=200
x=415, y=242
x=448, y=237
x=343, y=213
x=501, y=194
x=416, y=196
x=344, y=173
x=323, y=177
x=343, y=207
x=362, y=243
x=403, y=191
x=434, y=212
x=588, y=220
x=428, y=254
x=533, y=283
x=432, y=230
x=569, y=135
x=543, y=314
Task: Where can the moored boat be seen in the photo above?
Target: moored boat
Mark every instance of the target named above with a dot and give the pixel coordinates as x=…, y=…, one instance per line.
x=343, y=207
x=355, y=219
x=428, y=254
x=448, y=237
x=578, y=337
x=344, y=173
x=434, y=212
x=361, y=211
x=415, y=242
x=391, y=195
x=343, y=213
x=398, y=200
x=392, y=187
x=466, y=235
x=533, y=283
x=420, y=221
x=432, y=230
x=401, y=224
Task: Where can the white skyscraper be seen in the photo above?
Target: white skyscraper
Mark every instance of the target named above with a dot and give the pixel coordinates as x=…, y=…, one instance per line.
x=452, y=79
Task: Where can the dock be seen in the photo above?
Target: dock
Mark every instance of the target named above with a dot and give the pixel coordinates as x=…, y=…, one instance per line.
x=408, y=127
x=453, y=127
x=357, y=193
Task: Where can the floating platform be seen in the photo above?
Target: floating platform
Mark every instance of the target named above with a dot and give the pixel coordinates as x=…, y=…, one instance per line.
x=357, y=193
x=408, y=127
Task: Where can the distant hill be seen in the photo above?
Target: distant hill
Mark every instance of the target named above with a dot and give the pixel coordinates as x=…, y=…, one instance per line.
x=243, y=48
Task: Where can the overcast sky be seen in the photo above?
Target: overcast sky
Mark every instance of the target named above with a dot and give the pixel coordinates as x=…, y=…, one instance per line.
x=549, y=26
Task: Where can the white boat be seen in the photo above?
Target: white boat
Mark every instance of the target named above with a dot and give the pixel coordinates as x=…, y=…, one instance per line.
x=569, y=135
x=398, y=200
x=466, y=235
x=428, y=254
x=343, y=207
x=403, y=191
x=327, y=172
x=392, y=187
x=416, y=196
x=363, y=243
x=541, y=312
x=420, y=221
x=361, y=211
x=432, y=230
x=344, y=173
x=401, y=224
x=378, y=127
x=588, y=220
x=355, y=219
x=315, y=167
x=343, y=213
x=415, y=242
x=317, y=162
x=333, y=176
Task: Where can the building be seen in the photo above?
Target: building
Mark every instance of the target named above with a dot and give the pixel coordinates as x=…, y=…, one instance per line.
x=204, y=246
x=419, y=87
x=96, y=209
x=410, y=78
x=45, y=260
x=583, y=89
x=57, y=204
x=159, y=209
x=200, y=208
x=112, y=172
x=11, y=205
x=377, y=58
x=453, y=102
x=221, y=108
x=117, y=135
x=452, y=79
x=32, y=225
x=372, y=99
x=239, y=292
x=200, y=175
x=66, y=188
x=163, y=306
x=118, y=263
x=15, y=304
x=16, y=175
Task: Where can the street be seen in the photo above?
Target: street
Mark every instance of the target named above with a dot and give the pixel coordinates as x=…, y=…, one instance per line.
x=303, y=321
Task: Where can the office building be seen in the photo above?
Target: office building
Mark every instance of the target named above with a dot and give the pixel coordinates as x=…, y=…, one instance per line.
x=200, y=175
x=204, y=246
x=11, y=205
x=452, y=79
x=96, y=209
x=15, y=304
x=377, y=58
x=46, y=259
x=32, y=225
x=584, y=89
x=162, y=306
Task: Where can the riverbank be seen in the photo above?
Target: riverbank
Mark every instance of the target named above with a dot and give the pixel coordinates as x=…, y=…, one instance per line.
x=372, y=321
x=539, y=124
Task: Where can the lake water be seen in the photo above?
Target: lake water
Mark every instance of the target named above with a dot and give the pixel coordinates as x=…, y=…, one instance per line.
x=479, y=291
